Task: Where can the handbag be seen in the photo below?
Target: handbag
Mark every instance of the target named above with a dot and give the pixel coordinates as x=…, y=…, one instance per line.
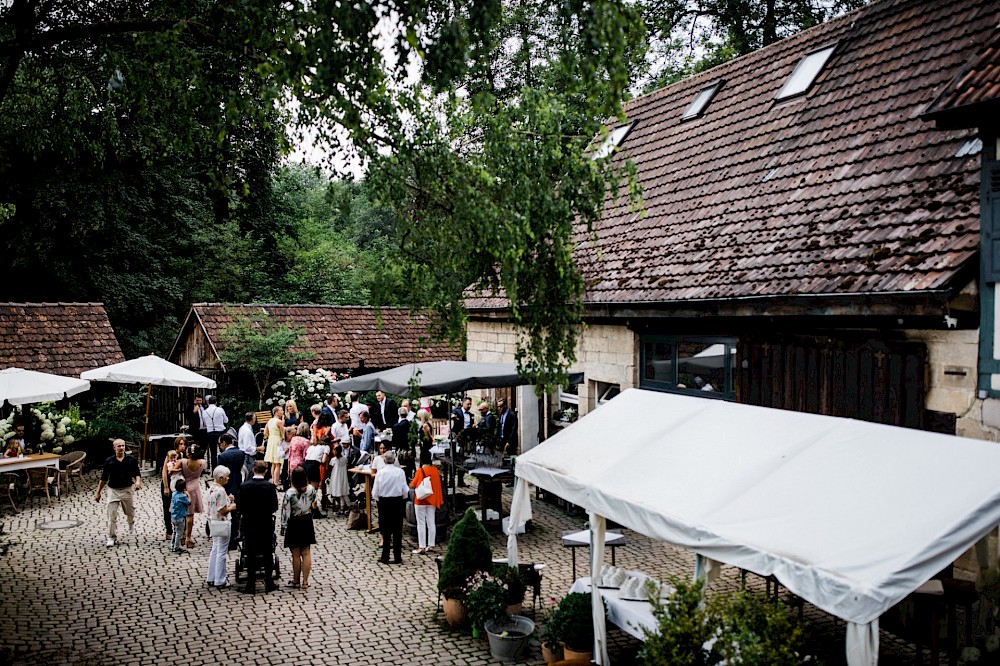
x=425, y=489
x=355, y=519
x=219, y=528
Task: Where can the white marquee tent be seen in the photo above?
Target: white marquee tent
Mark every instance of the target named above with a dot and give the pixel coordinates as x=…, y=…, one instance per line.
x=849, y=515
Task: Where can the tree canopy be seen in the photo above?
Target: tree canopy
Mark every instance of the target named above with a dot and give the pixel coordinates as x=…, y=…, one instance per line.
x=139, y=166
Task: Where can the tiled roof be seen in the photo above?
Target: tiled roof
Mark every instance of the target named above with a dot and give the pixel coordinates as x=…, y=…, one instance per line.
x=843, y=190
x=976, y=85
x=342, y=337
x=60, y=338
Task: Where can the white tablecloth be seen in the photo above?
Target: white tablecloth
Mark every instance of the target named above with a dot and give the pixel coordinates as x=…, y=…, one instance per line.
x=631, y=616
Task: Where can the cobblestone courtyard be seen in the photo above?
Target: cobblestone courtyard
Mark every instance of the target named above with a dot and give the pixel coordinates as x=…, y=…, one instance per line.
x=67, y=599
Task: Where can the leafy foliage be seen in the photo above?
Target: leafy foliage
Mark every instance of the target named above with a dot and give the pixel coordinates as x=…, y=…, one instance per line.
x=486, y=600
x=572, y=623
x=257, y=345
x=690, y=36
x=746, y=628
x=120, y=415
x=469, y=552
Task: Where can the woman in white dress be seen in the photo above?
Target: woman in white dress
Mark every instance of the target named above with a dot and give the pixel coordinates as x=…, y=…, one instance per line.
x=339, y=488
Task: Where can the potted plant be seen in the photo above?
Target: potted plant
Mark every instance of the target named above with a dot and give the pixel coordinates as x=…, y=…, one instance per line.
x=574, y=622
x=487, y=603
x=469, y=552
x=552, y=647
x=513, y=580
x=486, y=599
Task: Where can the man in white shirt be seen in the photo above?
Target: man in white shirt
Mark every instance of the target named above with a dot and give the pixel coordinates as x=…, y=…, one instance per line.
x=390, y=491
x=215, y=423
x=248, y=443
x=409, y=410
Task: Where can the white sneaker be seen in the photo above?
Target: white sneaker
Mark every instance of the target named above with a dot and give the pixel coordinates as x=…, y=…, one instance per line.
x=110, y=543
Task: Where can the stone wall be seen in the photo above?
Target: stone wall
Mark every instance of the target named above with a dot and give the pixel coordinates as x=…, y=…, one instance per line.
x=952, y=367
x=490, y=341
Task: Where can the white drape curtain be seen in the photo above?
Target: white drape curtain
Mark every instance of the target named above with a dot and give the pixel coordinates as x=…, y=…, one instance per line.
x=597, y=528
x=862, y=644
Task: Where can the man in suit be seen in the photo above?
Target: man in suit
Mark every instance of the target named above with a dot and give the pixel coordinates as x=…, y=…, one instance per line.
x=257, y=504
x=401, y=442
x=233, y=458
x=385, y=413
x=487, y=425
x=332, y=406
x=461, y=418
x=507, y=428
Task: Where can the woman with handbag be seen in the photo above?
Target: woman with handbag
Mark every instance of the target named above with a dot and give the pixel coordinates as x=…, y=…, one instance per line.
x=426, y=501
x=219, y=505
x=297, y=525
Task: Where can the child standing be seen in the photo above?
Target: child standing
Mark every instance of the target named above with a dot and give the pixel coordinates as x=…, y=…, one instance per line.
x=179, y=503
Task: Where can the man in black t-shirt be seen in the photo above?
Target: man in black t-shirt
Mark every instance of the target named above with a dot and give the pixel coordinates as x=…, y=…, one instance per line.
x=121, y=476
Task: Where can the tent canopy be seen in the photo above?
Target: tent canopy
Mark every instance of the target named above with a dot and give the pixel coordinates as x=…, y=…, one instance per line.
x=849, y=515
x=149, y=370
x=439, y=377
x=21, y=387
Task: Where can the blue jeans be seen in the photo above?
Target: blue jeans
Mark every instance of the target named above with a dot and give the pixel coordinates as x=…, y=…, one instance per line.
x=178, y=526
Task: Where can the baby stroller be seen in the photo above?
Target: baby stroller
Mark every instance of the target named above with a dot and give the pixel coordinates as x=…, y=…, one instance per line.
x=263, y=563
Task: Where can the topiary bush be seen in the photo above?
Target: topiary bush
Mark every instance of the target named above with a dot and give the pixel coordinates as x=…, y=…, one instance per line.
x=469, y=552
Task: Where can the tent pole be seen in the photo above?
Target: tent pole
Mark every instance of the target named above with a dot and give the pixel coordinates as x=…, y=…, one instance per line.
x=145, y=434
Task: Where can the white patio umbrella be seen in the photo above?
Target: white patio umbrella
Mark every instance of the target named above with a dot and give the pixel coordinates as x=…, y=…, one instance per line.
x=149, y=370
x=20, y=387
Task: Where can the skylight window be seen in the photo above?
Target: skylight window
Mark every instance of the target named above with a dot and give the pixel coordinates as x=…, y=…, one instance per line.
x=614, y=138
x=806, y=72
x=701, y=101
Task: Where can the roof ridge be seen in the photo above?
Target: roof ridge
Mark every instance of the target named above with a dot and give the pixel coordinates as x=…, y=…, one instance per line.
x=707, y=74
x=50, y=303
x=301, y=305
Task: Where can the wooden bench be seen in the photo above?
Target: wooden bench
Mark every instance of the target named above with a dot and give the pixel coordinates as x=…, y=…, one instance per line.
x=263, y=418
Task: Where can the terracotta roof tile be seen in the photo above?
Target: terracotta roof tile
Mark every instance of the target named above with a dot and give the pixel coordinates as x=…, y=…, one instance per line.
x=343, y=337
x=977, y=84
x=60, y=338
x=845, y=189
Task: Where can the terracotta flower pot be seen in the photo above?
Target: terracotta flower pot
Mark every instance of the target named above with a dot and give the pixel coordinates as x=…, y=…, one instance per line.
x=454, y=612
x=551, y=656
x=569, y=654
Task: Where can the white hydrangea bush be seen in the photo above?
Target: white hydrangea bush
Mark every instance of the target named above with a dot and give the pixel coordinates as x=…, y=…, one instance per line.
x=305, y=387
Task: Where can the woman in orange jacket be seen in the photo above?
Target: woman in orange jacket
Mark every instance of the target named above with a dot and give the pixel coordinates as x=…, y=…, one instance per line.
x=427, y=507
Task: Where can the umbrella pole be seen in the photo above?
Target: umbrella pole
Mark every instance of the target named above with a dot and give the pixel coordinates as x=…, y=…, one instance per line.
x=145, y=434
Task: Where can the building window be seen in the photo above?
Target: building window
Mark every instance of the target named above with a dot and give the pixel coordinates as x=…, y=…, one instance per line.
x=612, y=141
x=701, y=101
x=699, y=366
x=805, y=72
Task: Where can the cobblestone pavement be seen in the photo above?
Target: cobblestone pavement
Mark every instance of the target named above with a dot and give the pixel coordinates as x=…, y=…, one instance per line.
x=67, y=599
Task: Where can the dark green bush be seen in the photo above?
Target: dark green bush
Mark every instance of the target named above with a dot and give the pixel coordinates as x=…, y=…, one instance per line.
x=573, y=621
x=469, y=552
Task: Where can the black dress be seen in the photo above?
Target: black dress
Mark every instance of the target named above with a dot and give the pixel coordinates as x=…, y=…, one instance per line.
x=299, y=530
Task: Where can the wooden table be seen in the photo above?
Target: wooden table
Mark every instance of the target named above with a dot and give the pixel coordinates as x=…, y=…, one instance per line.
x=369, y=474
x=33, y=461
x=29, y=462
x=491, y=480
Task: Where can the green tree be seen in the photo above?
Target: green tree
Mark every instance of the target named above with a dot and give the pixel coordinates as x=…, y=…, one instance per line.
x=485, y=158
x=690, y=36
x=261, y=348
